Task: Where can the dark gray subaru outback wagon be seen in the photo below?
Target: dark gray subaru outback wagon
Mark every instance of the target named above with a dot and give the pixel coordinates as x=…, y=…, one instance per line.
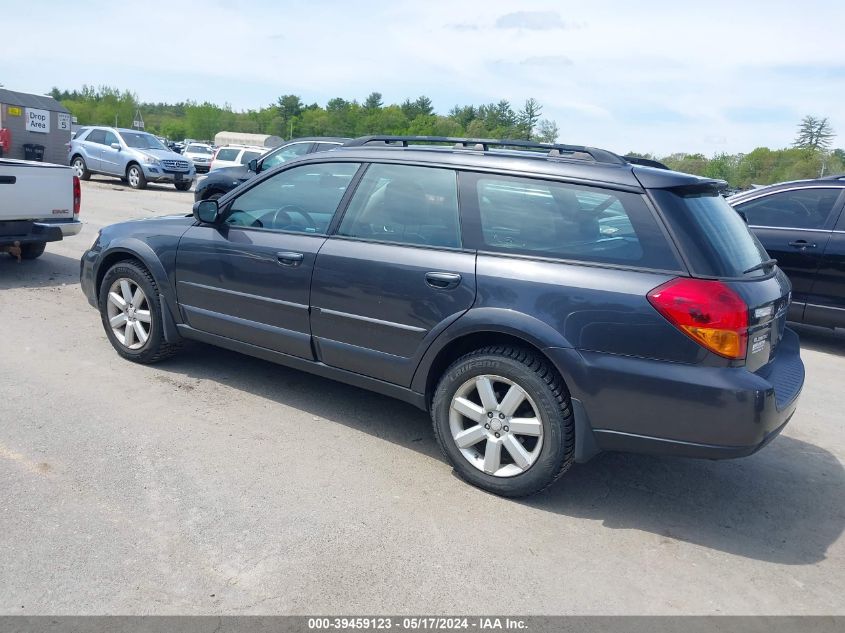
x=543, y=302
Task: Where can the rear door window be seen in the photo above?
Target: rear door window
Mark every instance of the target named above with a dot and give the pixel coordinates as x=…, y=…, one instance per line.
x=550, y=219
x=809, y=208
x=97, y=136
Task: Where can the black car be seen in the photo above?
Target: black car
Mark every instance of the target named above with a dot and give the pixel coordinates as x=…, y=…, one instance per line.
x=224, y=179
x=801, y=224
x=542, y=303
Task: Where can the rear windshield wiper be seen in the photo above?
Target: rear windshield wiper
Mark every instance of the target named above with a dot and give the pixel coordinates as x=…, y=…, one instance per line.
x=760, y=266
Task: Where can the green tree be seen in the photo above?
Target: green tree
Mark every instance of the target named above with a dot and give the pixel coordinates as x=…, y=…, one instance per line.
x=814, y=134
x=373, y=102
x=528, y=118
x=547, y=131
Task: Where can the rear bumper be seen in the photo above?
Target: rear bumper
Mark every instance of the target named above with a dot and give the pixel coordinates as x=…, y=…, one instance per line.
x=646, y=406
x=27, y=232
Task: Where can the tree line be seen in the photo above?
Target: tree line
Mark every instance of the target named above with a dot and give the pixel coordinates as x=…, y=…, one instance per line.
x=809, y=156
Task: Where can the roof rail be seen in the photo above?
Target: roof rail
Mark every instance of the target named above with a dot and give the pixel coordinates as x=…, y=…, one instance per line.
x=834, y=177
x=555, y=150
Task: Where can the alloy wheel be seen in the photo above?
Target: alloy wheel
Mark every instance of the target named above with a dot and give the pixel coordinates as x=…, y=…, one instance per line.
x=78, y=168
x=129, y=313
x=134, y=177
x=495, y=425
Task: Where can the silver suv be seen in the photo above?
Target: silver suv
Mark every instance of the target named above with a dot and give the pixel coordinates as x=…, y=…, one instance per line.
x=133, y=156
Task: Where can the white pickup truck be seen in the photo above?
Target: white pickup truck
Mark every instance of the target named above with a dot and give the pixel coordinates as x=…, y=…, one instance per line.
x=39, y=203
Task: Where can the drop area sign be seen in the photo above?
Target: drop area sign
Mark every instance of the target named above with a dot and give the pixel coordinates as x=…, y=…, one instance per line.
x=37, y=120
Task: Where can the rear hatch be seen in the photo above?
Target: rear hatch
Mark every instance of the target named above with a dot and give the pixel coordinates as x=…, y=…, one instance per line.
x=717, y=245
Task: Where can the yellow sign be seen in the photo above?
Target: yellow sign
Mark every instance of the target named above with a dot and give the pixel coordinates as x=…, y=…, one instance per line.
x=13, y=111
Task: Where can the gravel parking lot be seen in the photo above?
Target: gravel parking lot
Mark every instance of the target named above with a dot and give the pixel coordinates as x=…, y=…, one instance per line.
x=218, y=483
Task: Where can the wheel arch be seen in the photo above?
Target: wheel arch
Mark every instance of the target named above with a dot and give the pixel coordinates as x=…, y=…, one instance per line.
x=480, y=328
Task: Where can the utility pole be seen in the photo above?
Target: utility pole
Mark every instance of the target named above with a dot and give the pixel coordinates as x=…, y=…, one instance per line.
x=291, y=130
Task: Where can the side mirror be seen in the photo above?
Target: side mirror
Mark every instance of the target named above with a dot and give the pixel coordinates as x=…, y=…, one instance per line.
x=253, y=165
x=206, y=211
x=115, y=146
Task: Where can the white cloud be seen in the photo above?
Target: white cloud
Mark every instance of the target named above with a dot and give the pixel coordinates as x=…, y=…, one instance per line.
x=661, y=76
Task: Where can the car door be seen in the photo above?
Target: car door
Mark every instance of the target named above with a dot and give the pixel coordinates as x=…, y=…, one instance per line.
x=826, y=303
x=93, y=146
x=794, y=226
x=394, y=275
x=248, y=277
x=110, y=158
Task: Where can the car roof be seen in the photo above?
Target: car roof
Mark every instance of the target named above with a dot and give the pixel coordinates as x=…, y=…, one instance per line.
x=527, y=163
x=834, y=181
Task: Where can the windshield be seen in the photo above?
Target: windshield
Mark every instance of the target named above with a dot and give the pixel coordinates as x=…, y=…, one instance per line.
x=141, y=140
x=713, y=236
x=198, y=149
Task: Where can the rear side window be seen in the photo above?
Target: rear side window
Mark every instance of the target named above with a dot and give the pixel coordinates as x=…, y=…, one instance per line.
x=809, y=208
x=550, y=219
x=97, y=136
x=714, y=238
x=228, y=153
x=407, y=205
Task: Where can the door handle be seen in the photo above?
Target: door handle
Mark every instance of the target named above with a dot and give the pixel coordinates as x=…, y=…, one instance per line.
x=443, y=281
x=802, y=244
x=289, y=259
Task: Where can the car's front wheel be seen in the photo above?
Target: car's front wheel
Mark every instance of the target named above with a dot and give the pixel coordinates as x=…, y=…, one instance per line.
x=502, y=416
x=135, y=177
x=130, y=310
x=183, y=186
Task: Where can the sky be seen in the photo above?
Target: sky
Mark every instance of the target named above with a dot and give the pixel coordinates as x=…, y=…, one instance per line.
x=654, y=76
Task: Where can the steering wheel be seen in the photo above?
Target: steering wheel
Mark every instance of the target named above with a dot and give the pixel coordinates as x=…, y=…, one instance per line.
x=281, y=218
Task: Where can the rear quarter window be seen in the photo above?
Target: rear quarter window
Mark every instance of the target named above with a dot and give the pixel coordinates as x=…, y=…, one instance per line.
x=559, y=220
x=712, y=235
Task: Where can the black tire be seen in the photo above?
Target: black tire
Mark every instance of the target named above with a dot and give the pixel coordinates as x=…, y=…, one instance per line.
x=183, y=186
x=156, y=348
x=546, y=389
x=215, y=196
x=135, y=174
x=83, y=174
x=33, y=250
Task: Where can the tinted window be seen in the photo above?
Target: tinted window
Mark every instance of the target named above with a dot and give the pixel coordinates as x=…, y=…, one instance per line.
x=537, y=217
x=110, y=138
x=713, y=236
x=301, y=199
x=248, y=156
x=800, y=208
x=141, y=140
x=229, y=153
x=324, y=147
x=284, y=154
x=97, y=136
x=406, y=204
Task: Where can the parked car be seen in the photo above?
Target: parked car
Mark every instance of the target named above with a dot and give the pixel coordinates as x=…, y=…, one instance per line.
x=223, y=180
x=39, y=203
x=133, y=156
x=481, y=285
x=201, y=155
x=235, y=155
x=801, y=224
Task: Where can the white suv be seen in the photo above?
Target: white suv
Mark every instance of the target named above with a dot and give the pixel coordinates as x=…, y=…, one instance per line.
x=234, y=155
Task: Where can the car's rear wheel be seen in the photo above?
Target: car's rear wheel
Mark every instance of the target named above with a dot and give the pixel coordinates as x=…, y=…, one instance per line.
x=130, y=310
x=503, y=418
x=135, y=177
x=80, y=169
x=183, y=186
x=33, y=250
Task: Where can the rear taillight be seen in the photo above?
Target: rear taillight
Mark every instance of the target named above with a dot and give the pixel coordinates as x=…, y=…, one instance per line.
x=709, y=312
x=77, y=195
